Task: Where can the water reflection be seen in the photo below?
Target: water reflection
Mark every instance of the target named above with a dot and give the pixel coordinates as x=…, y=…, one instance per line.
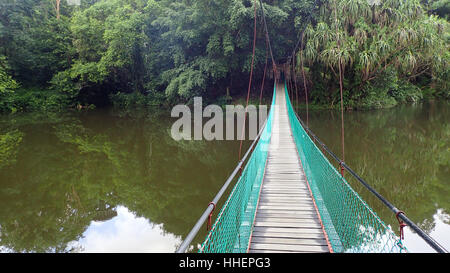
x=440, y=233
x=98, y=180
x=404, y=154
x=59, y=174
x=125, y=233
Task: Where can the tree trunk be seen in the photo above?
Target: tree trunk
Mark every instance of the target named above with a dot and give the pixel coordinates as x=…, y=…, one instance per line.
x=57, y=9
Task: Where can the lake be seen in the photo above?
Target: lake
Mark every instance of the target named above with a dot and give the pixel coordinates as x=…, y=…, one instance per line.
x=106, y=180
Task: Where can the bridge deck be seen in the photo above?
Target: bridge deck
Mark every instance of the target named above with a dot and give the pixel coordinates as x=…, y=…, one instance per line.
x=286, y=219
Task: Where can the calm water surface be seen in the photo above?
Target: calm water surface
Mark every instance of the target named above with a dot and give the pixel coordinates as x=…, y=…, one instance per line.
x=111, y=181
x=402, y=152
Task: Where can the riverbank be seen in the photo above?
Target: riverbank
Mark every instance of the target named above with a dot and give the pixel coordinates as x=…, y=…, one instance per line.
x=35, y=99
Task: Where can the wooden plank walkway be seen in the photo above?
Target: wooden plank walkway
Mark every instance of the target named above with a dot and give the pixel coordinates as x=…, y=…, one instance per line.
x=286, y=219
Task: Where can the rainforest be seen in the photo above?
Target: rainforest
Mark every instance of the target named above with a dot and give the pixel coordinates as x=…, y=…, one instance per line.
x=87, y=160
x=56, y=55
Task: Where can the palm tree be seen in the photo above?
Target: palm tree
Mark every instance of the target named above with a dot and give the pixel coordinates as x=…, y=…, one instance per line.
x=361, y=40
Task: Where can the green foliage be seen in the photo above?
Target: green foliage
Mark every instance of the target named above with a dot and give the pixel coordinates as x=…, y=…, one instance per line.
x=386, y=91
x=224, y=100
x=36, y=43
x=181, y=49
x=63, y=82
x=7, y=83
x=406, y=92
x=135, y=100
x=439, y=7
x=8, y=147
x=33, y=99
x=107, y=39
x=371, y=41
x=375, y=98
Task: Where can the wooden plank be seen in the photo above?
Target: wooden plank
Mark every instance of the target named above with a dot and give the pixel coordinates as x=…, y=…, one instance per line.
x=287, y=224
x=291, y=202
x=282, y=212
x=287, y=195
x=302, y=215
x=284, y=187
x=288, y=230
x=277, y=211
x=294, y=235
x=267, y=251
x=287, y=203
x=273, y=182
x=280, y=186
x=282, y=171
x=301, y=183
x=286, y=247
x=273, y=186
x=297, y=178
x=278, y=161
x=274, y=164
x=290, y=241
x=288, y=208
x=285, y=199
x=286, y=219
x=284, y=182
x=287, y=192
x=283, y=177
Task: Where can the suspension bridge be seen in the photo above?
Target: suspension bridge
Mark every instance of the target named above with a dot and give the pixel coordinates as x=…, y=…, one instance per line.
x=288, y=197
x=286, y=218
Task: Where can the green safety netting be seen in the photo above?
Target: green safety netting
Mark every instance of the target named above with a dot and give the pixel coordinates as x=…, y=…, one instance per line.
x=232, y=228
x=351, y=225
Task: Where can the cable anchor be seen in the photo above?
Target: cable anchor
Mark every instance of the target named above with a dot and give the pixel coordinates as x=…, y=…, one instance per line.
x=401, y=224
x=208, y=224
x=341, y=166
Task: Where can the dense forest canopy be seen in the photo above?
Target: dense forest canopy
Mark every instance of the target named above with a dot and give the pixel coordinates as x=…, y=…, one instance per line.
x=54, y=55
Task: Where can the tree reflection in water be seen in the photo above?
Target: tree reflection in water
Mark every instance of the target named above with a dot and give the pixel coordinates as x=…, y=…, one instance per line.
x=69, y=171
x=404, y=153
x=67, y=177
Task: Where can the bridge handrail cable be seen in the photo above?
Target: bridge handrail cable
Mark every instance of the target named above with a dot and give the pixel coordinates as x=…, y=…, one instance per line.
x=190, y=237
x=400, y=214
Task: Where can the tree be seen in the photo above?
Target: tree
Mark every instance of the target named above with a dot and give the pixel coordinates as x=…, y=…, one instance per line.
x=108, y=39
x=7, y=83
x=372, y=40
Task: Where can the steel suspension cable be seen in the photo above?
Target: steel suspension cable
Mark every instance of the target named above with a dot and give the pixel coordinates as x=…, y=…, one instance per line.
x=194, y=231
x=295, y=80
x=400, y=214
x=292, y=57
x=301, y=33
x=340, y=87
x=264, y=76
x=304, y=83
x=249, y=81
x=267, y=35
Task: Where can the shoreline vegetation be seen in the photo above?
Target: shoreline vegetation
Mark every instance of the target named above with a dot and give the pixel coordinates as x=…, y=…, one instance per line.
x=37, y=100
x=139, y=53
